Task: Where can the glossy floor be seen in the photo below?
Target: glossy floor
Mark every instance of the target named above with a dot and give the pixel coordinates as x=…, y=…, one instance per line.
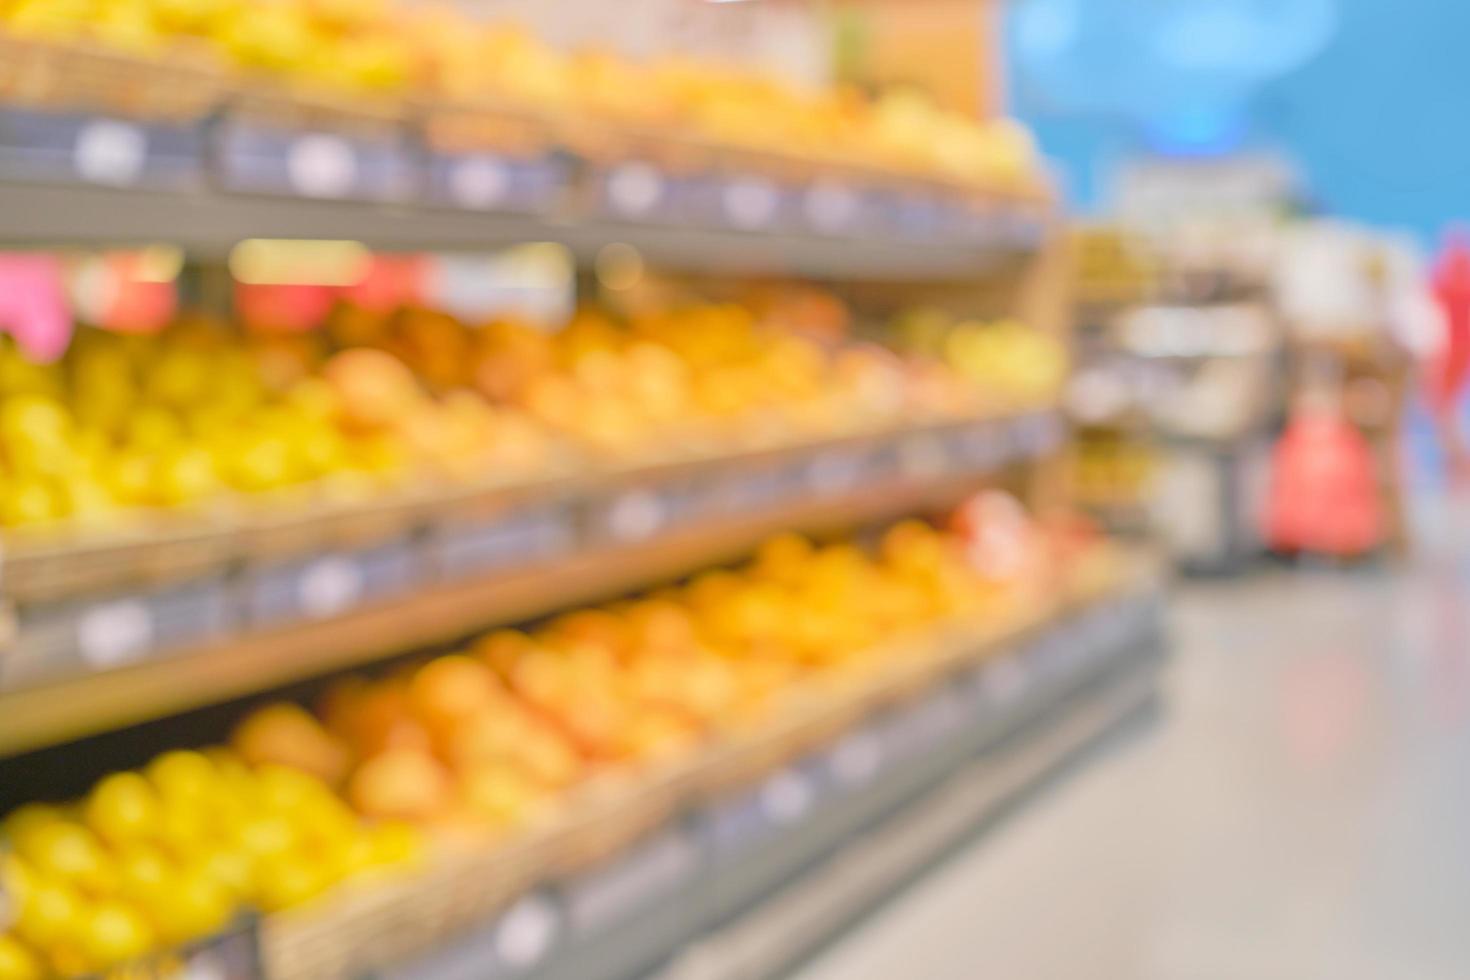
x=1300, y=812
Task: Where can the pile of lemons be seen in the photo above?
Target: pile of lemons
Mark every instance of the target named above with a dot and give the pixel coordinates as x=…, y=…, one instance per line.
x=174, y=853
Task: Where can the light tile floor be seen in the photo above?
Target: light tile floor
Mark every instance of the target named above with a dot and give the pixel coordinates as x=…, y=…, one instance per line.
x=1300, y=812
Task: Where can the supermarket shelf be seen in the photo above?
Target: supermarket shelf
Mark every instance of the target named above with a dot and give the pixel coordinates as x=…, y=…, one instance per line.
x=869, y=869
x=47, y=566
x=91, y=699
x=733, y=873
x=209, y=223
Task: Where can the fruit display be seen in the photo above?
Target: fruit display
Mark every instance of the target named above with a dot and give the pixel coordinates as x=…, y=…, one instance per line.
x=487, y=739
x=183, y=418
x=202, y=413
x=1002, y=356
x=1113, y=470
x=157, y=858
x=383, y=50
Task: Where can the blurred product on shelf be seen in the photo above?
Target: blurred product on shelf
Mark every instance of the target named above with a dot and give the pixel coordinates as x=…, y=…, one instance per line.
x=1112, y=267
x=382, y=51
x=1113, y=472
x=188, y=416
x=1003, y=356
x=1360, y=315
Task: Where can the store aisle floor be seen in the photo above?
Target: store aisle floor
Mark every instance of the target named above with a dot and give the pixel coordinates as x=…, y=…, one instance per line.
x=1300, y=812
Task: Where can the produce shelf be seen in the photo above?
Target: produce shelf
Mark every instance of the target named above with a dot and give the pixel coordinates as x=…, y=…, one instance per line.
x=87, y=665
x=753, y=851
x=209, y=223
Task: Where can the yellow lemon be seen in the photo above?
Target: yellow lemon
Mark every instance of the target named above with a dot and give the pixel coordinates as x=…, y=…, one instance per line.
x=114, y=934
x=182, y=775
x=232, y=869
x=397, y=845
x=192, y=908
x=26, y=820
x=122, y=808
x=69, y=851
x=287, y=881
x=17, y=962
x=144, y=872
x=50, y=914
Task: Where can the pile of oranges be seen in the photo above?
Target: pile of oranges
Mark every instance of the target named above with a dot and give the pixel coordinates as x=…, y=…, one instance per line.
x=488, y=738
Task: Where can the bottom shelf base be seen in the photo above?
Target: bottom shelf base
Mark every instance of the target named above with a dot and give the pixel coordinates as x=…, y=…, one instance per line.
x=869, y=870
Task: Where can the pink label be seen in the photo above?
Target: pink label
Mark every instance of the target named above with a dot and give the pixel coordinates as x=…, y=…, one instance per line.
x=33, y=305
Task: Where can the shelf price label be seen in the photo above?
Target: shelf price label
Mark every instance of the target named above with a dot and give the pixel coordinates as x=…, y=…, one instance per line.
x=111, y=151
x=322, y=165
x=787, y=797
x=115, y=633
x=330, y=585
x=513, y=944
x=635, y=189
x=526, y=932
x=751, y=203
x=480, y=182
x=636, y=515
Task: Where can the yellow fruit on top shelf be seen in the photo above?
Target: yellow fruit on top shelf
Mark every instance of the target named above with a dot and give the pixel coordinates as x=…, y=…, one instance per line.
x=18, y=961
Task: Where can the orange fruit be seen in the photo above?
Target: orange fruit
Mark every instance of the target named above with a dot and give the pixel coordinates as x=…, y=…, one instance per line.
x=448, y=690
x=400, y=784
x=288, y=735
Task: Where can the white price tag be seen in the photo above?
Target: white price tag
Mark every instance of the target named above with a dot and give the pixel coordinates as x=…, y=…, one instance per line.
x=115, y=633
x=857, y=758
x=751, y=203
x=831, y=207
x=203, y=966
x=787, y=797
x=636, y=515
x=635, y=189
x=110, y=151
x=322, y=165
x=479, y=182
x=330, y=585
x=525, y=933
